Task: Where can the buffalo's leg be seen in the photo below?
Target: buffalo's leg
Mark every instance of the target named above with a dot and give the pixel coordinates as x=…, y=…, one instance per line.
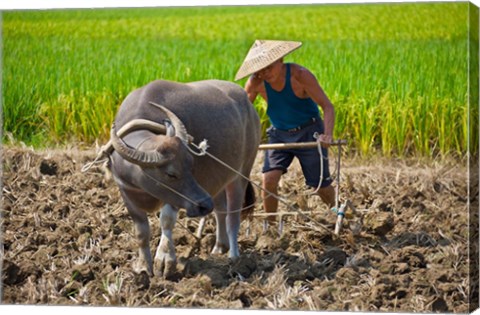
x=221, y=243
x=142, y=231
x=235, y=192
x=165, y=257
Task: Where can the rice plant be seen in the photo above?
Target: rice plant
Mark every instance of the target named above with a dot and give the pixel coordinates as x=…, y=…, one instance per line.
x=397, y=74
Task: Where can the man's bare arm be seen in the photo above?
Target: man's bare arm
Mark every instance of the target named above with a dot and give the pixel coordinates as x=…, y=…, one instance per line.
x=251, y=87
x=315, y=91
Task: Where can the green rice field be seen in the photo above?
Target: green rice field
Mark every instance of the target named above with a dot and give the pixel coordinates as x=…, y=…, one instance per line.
x=397, y=74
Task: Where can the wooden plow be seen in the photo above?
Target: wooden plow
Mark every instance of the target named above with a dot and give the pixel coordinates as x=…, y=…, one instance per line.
x=339, y=209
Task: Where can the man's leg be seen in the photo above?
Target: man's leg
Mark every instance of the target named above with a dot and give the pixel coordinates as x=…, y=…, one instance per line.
x=270, y=185
x=310, y=161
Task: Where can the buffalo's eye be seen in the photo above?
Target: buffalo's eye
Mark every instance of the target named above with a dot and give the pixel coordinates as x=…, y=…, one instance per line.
x=171, y=175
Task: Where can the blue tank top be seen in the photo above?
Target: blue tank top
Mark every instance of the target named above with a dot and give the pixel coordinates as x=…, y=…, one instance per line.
x=285, y=109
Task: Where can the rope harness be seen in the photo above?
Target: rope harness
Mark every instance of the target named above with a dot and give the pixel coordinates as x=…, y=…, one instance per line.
x=201, y=150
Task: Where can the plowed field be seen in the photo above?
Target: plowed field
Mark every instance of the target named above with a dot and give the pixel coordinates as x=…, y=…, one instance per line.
x=68, y=239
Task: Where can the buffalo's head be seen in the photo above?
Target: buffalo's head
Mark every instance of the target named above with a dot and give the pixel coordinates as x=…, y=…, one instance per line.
x=167, y=164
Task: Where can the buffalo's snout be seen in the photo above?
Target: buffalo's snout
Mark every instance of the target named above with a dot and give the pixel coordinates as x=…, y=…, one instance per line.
x=202, y=208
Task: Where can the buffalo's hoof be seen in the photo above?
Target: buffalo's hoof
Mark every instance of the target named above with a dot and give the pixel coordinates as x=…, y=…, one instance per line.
x=140, y=265
x=220, y=249
x=165, y=268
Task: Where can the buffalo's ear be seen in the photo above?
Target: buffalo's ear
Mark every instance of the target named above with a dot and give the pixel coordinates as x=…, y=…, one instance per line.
x=180, y=130
x=170, y=128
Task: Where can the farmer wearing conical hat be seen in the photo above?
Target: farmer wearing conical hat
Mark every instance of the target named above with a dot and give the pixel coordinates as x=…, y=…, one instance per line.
x=292, y=93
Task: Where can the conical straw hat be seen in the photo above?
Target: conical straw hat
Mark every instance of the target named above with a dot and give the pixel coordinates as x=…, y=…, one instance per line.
x=263, y=53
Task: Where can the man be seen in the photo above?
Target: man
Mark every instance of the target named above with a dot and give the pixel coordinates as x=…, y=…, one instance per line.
x=292, y=93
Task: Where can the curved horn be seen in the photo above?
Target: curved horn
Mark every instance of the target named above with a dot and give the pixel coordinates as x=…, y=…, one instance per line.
x=141, y=158
x=180, y=129
x=137, y=124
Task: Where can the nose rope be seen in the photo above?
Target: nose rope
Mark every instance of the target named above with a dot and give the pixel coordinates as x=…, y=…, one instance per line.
x=170, y=188
x=322, y=158
x=319, y=148
x=203, y=151
x=187, y=198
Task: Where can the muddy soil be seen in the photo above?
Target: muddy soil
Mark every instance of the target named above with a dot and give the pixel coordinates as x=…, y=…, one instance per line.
x=67, y=239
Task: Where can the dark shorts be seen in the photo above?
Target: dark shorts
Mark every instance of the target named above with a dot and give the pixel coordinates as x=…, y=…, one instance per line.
x=309, y=158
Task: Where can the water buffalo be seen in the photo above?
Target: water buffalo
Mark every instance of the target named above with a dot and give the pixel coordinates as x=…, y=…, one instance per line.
x=158, y=172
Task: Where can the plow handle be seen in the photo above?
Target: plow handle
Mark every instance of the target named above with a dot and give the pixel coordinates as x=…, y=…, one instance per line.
x=297, y=145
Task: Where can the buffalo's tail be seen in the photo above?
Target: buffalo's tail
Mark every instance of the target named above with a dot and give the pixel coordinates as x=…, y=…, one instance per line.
x=249, y=203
